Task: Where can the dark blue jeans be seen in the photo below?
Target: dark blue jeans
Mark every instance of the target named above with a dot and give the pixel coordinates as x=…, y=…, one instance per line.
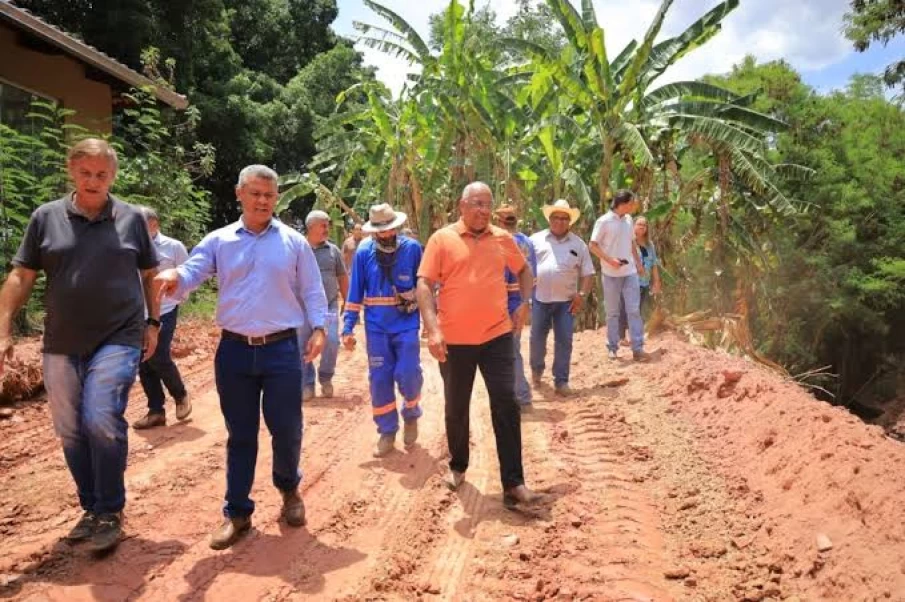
x=557, y=315
x=160, y=371
x=250, y=379
x=87, y=397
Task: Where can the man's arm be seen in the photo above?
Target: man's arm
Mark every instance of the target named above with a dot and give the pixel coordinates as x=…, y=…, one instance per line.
x=424, y=291
x=152, y=303
x=152, y=300
x=639, y=266
x=13, y=296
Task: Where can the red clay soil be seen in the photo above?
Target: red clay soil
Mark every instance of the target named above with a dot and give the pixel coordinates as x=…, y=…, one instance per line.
x=698, y=477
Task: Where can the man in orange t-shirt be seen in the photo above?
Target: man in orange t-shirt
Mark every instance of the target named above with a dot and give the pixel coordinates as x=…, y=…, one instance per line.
x=467, y=259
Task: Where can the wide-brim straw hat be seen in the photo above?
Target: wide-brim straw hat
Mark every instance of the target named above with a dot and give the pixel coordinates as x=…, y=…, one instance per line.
x=562, y=206
x=382, y=218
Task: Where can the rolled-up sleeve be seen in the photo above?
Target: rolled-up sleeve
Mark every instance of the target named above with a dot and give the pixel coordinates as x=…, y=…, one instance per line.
x=311, y=286
x=201, y=265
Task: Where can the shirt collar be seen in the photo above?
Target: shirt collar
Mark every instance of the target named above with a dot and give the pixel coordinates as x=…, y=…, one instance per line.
x=240, y=227
x=462, y=230
x=549, y=234
x=106, y=213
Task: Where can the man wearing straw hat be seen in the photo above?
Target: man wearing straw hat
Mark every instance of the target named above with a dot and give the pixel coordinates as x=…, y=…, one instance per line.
x=564, y=278
x=384, y=274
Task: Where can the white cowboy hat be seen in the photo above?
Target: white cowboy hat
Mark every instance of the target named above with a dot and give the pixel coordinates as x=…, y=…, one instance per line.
x=562, y=206
x=382, y=218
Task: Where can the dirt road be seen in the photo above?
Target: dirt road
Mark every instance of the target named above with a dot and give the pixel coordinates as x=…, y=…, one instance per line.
x=697, y=477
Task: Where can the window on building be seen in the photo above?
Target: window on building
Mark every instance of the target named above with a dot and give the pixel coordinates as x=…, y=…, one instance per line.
x=15, y=105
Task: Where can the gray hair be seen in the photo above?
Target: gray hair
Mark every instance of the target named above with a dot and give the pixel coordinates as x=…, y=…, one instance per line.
x=316, y=215
x=256, y=171
x=476, y=187
x=148, y=213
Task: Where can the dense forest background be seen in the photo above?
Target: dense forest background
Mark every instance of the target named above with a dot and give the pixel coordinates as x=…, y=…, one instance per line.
x=780, y=211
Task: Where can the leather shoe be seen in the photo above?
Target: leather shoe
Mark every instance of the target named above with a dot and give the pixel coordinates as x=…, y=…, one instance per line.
x=454, y=479
x=385, y=445
x=183, y=408
x=327, y=390
x=150, y=420
x=563, y=391
x=519, y=496
x=410, y=432
x=293, y=508
x=230, y=532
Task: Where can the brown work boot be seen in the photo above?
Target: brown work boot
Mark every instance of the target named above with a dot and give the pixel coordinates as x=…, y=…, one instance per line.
x=108, y=532
x=83, y=529
x=308, y=393
x=537, y=379
x=183, y=408
x=230, y=532
x=454, y=479
x=385, y=445
x=410, y=432
x=641, y=356
x=150, y=420
x=563, y=391
x=519, y=496
x=293, y=508
x=327, y=389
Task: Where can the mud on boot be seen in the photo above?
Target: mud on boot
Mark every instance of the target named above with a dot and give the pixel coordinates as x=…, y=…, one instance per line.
x=385, y=445
x=410, y=432
x=108, y=532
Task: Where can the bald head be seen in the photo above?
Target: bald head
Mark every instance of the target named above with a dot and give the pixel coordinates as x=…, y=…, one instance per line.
x=477, y=189
x=475, y=205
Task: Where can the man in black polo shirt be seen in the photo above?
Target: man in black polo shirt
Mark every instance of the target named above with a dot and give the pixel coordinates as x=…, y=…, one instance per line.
x=92, y=247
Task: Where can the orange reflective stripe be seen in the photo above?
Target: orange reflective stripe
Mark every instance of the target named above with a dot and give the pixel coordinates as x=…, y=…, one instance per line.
x=353, y=306
x=381, y=410
x=413, y=403
x=380, y=301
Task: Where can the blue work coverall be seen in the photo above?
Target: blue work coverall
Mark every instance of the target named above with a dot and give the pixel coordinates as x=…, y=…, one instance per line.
x=393, y=341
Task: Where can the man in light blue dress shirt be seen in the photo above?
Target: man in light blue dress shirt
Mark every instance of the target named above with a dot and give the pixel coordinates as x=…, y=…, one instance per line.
x=160, y=370
x=269, y=291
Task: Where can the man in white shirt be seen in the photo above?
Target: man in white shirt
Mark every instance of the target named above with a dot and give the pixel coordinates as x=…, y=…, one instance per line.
x=613, y=242
x=564, y=277
x=160, y=370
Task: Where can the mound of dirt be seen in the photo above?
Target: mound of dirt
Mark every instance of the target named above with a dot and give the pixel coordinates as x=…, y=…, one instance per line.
x=826, y=489
x=23, y=376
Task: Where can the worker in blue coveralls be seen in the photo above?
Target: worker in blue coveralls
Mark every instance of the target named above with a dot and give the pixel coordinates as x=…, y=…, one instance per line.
x=384, y=274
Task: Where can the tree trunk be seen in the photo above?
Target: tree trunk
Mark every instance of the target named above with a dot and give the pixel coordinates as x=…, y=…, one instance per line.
x=606, y=168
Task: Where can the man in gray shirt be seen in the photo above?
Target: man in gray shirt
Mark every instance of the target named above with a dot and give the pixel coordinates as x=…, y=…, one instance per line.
x=91, y=246
x=336, y=282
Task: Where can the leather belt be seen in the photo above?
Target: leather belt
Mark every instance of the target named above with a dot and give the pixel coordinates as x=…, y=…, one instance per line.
x=261, y=340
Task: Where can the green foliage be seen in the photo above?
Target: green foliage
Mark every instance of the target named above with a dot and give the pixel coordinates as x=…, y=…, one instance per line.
x=236, y=61
x=158, y=170
x=877, y=21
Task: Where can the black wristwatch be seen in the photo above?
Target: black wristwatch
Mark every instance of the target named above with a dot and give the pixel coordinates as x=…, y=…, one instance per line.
x=321, y=328
x=153, y=322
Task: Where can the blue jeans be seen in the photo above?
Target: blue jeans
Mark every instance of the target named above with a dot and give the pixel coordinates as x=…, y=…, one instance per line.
x=522, y=390
x=394, y=359
x=87, y=397
x=617, y=290
x=623, y=317
x=249, y=379
x=160, y=371
x=328, y=356
x=557, y=315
